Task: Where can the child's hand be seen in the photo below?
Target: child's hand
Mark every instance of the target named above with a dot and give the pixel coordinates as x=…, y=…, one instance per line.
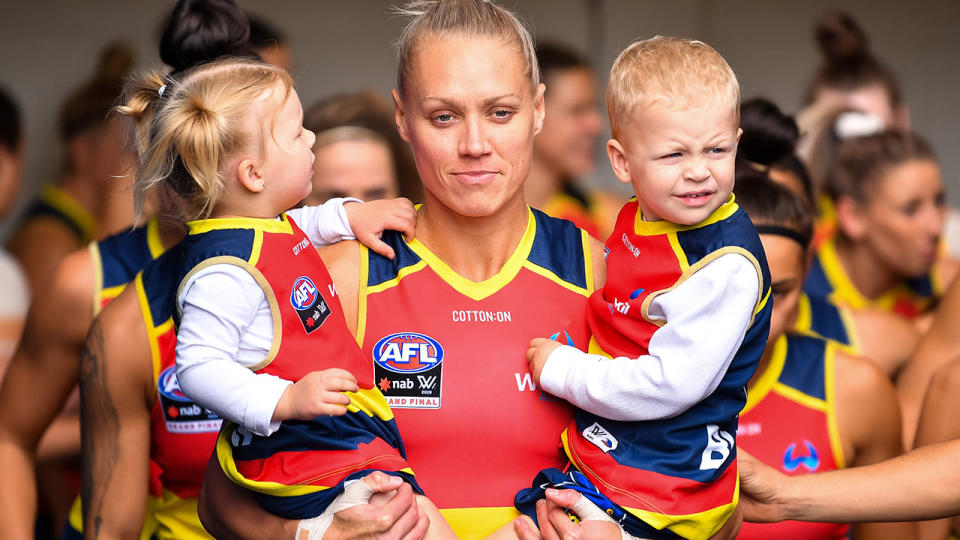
x=318, y=393
x=369, y=220
x=540, y=349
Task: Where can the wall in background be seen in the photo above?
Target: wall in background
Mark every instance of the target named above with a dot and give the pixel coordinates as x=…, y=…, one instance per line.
x=48, y=47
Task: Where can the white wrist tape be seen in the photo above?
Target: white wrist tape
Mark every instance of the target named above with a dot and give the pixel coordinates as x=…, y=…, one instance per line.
x=587, y=511
x=355, y=493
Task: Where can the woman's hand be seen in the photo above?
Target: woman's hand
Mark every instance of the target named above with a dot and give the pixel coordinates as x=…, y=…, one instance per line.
x=369, y=220
x=555, y=524
x=761, y=490
x=397, y=519
x=318, y=393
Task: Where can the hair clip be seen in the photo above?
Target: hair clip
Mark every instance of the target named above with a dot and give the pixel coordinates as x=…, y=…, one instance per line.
x=161, y=90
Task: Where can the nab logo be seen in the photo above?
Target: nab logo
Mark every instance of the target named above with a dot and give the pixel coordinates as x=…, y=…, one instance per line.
x=811, y=461
x=408, y=352
x=304, y=293
x=168, y=385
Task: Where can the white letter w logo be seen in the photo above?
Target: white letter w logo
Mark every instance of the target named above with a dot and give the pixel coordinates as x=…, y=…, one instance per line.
x=526, y=381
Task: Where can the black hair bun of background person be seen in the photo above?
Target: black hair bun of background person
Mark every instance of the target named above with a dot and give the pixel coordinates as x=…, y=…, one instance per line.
x=199, y=31
x=769, y=135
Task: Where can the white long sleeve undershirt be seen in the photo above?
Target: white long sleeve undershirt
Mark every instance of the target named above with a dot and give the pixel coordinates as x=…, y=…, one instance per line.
x=226, y=326
x=706, y=318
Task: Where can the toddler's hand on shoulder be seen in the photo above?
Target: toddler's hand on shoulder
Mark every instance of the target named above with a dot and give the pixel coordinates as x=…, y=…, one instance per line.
x=318, y=393
x=537, y=354
x=369, y=220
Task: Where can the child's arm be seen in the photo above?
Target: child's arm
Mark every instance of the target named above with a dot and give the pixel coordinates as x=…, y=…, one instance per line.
x=219, y=305
x=706, y=318
x=346, y=219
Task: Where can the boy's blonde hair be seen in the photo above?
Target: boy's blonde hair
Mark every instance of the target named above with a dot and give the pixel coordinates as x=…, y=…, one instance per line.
x=186, y=127
x=681, y=73
x=480, y=18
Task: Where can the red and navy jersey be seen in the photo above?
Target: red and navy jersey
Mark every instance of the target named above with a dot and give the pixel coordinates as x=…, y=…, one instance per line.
x=825, y=319
x=828, y=280
x=449, y=354
x=117, y=259
x=677, y=473
x=298, y=470
x=182, y=433
x=790, y=423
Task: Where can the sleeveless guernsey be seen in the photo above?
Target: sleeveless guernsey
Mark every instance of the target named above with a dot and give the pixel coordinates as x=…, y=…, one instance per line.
x=298, y=470
x=449, y=354
x=678, y=475
x=790, y=423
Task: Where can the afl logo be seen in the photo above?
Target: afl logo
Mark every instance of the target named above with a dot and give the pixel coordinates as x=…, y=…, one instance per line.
x=408, y=352
x=304, y=293
x=169, y=387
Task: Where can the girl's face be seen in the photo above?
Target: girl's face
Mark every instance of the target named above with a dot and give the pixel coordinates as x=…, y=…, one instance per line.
x=287, y=156
x=787, y=264
x=903, y=218
x=470, y=115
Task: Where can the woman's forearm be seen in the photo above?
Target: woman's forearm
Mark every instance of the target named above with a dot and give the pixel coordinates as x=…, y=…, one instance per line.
x=919, y=485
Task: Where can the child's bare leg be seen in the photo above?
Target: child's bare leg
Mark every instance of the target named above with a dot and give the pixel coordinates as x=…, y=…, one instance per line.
x=509, y=532
x=439, y=528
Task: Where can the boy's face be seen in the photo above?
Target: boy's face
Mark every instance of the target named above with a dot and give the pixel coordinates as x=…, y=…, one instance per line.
x=680, y=162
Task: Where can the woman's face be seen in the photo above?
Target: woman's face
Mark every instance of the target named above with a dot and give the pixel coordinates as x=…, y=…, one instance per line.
x=572, y=125
x=362, y=169
x=787, y=264
x=873, y=99
x=470, y=114
x=902, y=221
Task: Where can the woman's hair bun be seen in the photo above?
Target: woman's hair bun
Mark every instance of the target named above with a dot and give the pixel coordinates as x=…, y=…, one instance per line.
x=769, y=135
x=841, y=39
x=200, y=31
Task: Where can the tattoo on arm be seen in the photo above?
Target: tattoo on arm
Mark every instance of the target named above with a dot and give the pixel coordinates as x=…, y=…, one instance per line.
x=98, y=416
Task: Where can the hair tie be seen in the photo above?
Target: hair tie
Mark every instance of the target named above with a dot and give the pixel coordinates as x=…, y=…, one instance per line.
x=161, y=90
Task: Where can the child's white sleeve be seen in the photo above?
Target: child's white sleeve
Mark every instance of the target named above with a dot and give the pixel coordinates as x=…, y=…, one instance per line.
x=326, y=223
x=706, y=318
x=221, y=332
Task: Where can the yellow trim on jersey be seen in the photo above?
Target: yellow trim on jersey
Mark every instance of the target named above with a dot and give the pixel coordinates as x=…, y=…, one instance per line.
x=276, y=489
x=264, y=285
x=152, y=330
x=362, y=295
x=177, y=519
x=97, y=262
x=370, y=402
x=697, y=525
x=478, y=523
x=762, y=296
x=281, y=225
x=75, y=517
x=765, y=383
x=844, y=292
x=654, y=228
x=836, y=444
x=804, y=319
x=802, y=398
x=71, y=207
x=154, y=242
x=804, y=324
x=587, y=260
x=393, y=282
x=478, y=290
